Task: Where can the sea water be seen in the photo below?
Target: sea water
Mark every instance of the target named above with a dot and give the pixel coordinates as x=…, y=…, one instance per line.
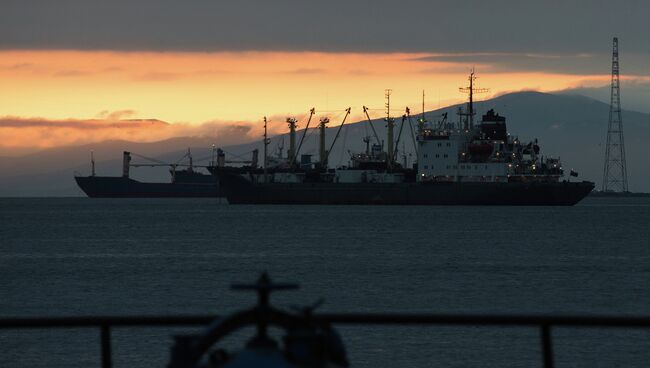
x=84, y=257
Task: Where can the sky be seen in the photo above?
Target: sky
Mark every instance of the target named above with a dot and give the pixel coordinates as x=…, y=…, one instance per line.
x=73, y=72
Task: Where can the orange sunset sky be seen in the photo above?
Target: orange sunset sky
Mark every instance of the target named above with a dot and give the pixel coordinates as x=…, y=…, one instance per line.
x=73, y=71
x=58, y=97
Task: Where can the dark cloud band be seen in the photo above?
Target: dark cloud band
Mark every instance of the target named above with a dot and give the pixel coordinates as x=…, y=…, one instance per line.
x=567, y=27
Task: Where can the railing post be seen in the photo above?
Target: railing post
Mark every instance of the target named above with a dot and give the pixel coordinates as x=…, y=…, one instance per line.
x=547, y=346
x=106, y=346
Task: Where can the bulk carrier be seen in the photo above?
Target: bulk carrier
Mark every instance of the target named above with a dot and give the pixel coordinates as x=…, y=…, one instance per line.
x=459, y=163
x=186, y=181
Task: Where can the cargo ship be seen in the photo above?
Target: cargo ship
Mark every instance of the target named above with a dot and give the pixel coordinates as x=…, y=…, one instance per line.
x=186, y=181
x=458, y=163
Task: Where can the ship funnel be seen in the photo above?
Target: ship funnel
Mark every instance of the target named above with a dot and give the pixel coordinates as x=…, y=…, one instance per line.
x=126, y=163
x=254, y=160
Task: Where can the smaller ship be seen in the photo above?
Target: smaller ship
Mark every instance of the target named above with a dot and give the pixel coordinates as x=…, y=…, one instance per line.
x=186, y=181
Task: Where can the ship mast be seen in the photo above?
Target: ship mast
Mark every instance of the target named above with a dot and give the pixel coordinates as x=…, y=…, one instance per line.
x=471, y=90
x=322, y=154
x=423, y=106
x=266, y=144
x=291, y=154
x=471, y=100
x=422, y=119
x=390, y=124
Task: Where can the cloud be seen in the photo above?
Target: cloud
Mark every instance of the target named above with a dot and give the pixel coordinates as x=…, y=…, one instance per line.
x=72, y=73
x=451, y=69
x=92, y=124
x=158, y=76
x=565, y=63
x=20, y=132
x=308, y=71
x=116, y=115
x=364, y=26
x=360, y=72
x=17, y=66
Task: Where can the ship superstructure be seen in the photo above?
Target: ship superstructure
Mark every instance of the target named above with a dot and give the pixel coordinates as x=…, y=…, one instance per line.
x=483, y=152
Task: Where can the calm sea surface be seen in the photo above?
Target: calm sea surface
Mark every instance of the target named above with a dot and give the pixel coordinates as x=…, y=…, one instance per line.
x=80, y=256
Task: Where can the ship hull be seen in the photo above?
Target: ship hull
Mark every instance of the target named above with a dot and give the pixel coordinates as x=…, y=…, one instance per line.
x=120, y=187
x=241, y=191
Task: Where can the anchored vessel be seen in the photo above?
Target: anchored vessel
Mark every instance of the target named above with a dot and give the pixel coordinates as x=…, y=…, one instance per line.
x=185, y=182
x=460, y=163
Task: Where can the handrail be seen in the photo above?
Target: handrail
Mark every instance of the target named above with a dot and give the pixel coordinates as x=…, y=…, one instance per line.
x=486, y=320
x=544, y=323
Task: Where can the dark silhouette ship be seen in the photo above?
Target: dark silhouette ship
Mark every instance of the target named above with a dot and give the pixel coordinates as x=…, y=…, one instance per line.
x=466, y=162
x=186, y=181
x=459, y=163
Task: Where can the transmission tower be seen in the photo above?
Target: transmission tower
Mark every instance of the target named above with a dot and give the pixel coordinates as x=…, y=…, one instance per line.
x=615, y=173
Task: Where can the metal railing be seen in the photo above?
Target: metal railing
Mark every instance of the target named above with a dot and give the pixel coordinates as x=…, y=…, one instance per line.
x=104, y=324
x=543, y=323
